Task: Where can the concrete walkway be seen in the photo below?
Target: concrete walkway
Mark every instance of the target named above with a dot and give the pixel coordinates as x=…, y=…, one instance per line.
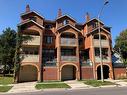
x=23, y=87
x=121, y=83
x=76, y=84
x=30, y=86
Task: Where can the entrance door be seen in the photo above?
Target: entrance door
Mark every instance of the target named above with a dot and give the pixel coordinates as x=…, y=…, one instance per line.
x=105, y=72
x=68, y=72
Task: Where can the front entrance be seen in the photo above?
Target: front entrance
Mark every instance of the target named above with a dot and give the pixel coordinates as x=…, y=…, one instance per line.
x=68, y=72
x=28, y=73
x=105, y=72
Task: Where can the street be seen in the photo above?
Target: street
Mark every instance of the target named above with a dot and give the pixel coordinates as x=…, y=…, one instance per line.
x=94, y=91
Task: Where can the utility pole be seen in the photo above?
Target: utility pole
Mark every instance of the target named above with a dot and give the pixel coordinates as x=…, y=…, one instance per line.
x=99, y=31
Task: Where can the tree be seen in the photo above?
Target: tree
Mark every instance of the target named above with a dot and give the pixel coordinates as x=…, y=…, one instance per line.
x=17, y=56
x=7, y=48
x=121, y=46
x=10, y=45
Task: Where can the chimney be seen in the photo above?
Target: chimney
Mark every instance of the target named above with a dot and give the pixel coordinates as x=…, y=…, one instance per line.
x=87, y=17
x=27, y=8
x=59, y=13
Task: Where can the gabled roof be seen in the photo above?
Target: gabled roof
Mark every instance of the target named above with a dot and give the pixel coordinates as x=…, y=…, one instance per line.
x=69, y=26
x=92, y=20
x=28, y=21
x=66, y=16
x=26, y=13
x=97, y=29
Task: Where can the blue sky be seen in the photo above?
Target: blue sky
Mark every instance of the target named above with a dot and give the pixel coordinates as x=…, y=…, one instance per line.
x=114, y=14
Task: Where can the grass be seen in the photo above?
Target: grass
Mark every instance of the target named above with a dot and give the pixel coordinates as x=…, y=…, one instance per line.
x=125, y=80
x=6, y=80
x=5, y=88
x=50, y=82
x=97, y=83
x=51, y=85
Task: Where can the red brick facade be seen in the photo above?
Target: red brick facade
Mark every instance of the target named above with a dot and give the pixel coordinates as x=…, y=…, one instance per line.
x=64, y=49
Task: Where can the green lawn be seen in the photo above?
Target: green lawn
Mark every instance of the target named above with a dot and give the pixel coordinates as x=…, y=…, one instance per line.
x=6, y=80
x=51, y=85
x=5, y=88
x=97, y=83
x=125, y=80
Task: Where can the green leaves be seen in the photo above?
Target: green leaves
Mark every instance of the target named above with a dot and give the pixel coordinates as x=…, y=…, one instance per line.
x=7, y=47
x=121, y=45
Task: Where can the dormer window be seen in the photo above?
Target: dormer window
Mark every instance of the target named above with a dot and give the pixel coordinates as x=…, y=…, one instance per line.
x=66, y=22
x=95, y=25
x=48, y=26
x=32, y=18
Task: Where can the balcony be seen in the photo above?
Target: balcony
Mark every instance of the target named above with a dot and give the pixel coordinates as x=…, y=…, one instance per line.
x=68, y=42
x=30, y=58
x=69, y=58
x=34, y=41
x=51, y=63
x=97, y=59
x=86, y=62
x=104, y=43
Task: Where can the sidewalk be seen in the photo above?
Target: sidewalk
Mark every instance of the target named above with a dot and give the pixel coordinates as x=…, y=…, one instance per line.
x=30, y=86
x=23, y=87
x=76, y=84
x=120, y=83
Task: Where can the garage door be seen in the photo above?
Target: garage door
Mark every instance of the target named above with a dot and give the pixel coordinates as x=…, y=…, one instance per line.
x=28, y=73
x=68, y=72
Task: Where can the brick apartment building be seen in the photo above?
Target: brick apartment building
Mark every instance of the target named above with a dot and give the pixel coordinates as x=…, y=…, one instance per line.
x=63, y=49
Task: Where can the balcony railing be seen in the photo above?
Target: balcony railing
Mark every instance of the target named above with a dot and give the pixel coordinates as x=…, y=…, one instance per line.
x=34, y=41
x=50, y=63
x=30, y=58
x=85, y=62
x=69, y=58
x=68, y=42
x=106, y=59
x=103, y=43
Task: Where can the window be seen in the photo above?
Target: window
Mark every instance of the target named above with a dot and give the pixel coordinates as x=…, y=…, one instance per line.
x=48, y=26
x=104, y=52
x=97, y=52
x=48, y=39
x=80, y=41
x=48, y=57
x=68, y=52
x=66, y=22
x=32, y=18
x=95, y=25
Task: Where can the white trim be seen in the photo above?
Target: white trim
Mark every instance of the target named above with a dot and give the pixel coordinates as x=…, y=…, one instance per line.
x=96, y=29
x=67, y=16
x=93, y=19
x=30, y=21
x=31, y=12
x=68, y=25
